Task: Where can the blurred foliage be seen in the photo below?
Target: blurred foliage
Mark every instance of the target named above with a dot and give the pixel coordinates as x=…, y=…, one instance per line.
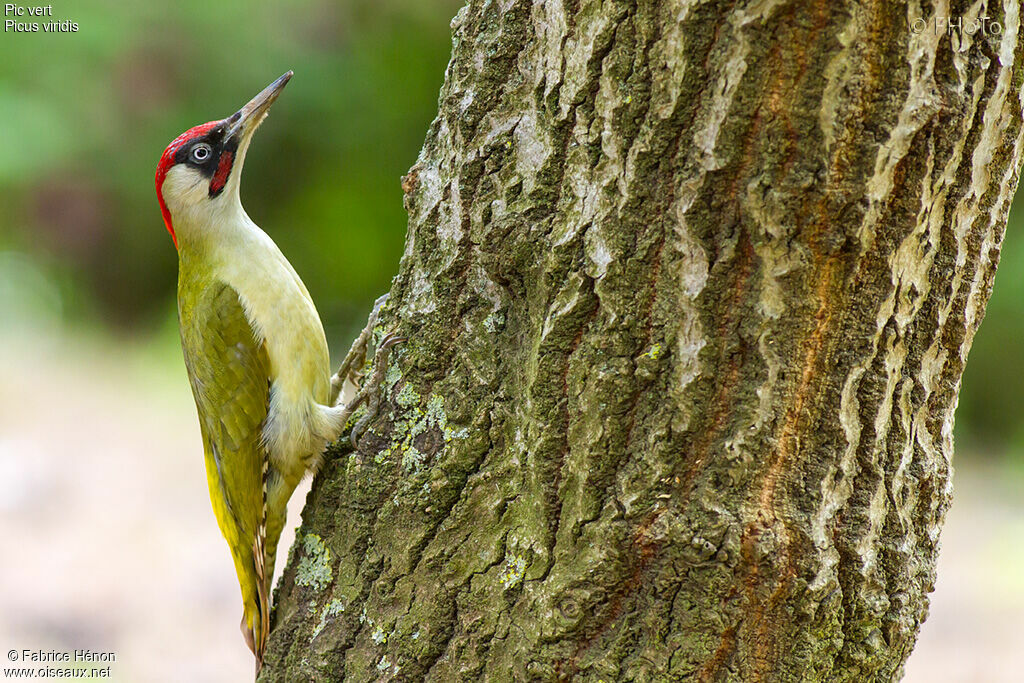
x=84, y=117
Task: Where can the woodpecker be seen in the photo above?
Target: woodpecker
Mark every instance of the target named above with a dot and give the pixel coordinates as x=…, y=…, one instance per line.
x=254, y=348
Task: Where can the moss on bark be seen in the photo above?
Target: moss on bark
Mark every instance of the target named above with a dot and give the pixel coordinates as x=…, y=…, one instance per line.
x=689, y=288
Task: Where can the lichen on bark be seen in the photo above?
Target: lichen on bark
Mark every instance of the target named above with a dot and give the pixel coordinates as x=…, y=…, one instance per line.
x=689, y=288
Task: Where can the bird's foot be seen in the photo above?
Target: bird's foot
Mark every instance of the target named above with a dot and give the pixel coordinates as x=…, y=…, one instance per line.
x=371, y=390
x=356, y=356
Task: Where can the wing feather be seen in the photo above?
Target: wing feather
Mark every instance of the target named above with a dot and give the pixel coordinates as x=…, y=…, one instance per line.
x=229, y=370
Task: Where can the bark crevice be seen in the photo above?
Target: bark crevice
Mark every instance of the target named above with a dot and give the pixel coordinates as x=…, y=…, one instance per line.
x=689, y=288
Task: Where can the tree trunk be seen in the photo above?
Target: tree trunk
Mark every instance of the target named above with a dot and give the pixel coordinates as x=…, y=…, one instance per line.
x=689, y=288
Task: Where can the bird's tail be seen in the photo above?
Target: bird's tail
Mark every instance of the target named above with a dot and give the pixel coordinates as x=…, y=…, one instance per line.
x=276, y=492
x=263, y=576
x=262, y=597
x=256, y=619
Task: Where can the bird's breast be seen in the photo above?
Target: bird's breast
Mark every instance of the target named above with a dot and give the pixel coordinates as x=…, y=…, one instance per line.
x=286, y=321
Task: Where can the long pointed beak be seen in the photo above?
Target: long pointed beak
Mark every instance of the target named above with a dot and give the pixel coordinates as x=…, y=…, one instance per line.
x=244, y=121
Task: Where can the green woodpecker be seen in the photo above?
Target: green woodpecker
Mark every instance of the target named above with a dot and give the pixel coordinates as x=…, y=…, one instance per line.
x=254, y=349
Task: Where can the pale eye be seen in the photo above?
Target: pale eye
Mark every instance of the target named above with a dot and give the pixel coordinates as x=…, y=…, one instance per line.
x=201, y=152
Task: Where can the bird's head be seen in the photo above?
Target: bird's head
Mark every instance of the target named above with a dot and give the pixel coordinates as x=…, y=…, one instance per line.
x=197, y=177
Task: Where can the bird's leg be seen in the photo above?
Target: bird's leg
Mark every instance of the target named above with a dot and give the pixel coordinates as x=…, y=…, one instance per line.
x=356, y=355
x=370, y=391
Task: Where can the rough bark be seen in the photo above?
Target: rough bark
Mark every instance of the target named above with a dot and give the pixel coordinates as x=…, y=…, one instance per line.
x=689, y=288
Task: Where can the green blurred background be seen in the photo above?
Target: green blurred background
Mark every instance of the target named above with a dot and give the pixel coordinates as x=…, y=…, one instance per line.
x=84, y=117
x=99, y=454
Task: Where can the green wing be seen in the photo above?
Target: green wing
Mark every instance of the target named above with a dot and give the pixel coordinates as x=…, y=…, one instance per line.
x=229, y=372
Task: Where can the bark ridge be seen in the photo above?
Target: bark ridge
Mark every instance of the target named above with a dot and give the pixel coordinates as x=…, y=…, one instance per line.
x=689, y=287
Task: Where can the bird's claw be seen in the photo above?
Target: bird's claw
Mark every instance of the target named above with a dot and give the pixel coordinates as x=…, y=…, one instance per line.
x=350, y=370
x=356, y=356
x=371, y=390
